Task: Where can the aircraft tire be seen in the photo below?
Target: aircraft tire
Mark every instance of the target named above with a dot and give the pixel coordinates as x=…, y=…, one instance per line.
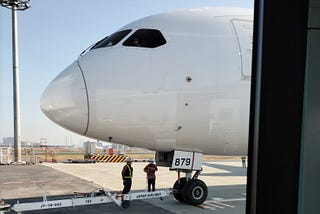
x=195, y=192
x=125, y=204
x=178, y=189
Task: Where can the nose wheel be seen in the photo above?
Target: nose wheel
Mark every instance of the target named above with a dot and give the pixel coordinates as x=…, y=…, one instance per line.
x=193, y=191
x=178, y=189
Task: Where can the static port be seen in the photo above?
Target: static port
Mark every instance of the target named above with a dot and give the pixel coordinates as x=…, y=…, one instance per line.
x=188, y=79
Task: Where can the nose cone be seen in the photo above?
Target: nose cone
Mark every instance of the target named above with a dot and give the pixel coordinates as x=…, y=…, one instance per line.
x=65, y=100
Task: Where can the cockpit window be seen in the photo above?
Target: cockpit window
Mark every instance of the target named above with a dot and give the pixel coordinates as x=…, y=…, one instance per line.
x=111, y=40
x=146, y=38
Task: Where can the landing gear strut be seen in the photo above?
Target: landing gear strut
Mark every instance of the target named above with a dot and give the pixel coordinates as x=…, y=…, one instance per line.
x=189, y=190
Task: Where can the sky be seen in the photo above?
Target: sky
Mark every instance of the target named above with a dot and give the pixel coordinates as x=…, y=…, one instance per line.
x=51, y=35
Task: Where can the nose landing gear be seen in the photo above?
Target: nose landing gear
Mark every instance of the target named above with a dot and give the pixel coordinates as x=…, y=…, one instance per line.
x=188, y=189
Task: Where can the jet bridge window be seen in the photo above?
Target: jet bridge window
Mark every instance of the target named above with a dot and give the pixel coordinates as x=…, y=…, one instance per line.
x=146, y=38
x=111, y=40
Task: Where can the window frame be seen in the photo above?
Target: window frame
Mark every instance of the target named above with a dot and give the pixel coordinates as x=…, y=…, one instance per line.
x=104, y=43
x=142, y=34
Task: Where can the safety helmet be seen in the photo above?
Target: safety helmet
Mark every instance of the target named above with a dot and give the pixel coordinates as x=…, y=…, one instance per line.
x=150, y=160
x=129, y=160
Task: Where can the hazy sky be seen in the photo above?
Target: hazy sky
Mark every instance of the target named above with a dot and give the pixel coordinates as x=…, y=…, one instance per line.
x=52, y=34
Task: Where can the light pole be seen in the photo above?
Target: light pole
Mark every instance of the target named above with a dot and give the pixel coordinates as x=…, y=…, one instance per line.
x=15, y=5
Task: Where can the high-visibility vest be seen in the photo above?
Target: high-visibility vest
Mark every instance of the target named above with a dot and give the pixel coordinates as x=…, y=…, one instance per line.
x=130, y=172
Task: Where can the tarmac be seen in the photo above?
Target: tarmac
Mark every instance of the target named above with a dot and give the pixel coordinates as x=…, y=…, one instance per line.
x=226, y=183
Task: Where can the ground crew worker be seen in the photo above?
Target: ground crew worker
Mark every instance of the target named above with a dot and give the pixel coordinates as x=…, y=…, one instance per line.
x=150, y=169
x=127, y=174
x=244, y=165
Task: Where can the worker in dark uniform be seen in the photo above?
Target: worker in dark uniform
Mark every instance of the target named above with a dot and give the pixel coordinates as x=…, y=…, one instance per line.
x=127, y=174
x=243, y=159
x=150, y=169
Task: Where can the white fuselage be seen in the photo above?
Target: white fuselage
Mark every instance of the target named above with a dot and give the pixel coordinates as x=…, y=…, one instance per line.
x=191, y=93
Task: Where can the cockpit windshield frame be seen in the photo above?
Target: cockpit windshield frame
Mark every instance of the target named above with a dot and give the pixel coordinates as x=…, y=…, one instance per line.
x=145, y=38
x=112, y=40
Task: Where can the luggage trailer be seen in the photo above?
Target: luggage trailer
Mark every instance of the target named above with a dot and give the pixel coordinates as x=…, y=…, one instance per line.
x=82, y=199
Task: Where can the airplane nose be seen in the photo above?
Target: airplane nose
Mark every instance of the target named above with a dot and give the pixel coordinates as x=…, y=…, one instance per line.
x=65, y=100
